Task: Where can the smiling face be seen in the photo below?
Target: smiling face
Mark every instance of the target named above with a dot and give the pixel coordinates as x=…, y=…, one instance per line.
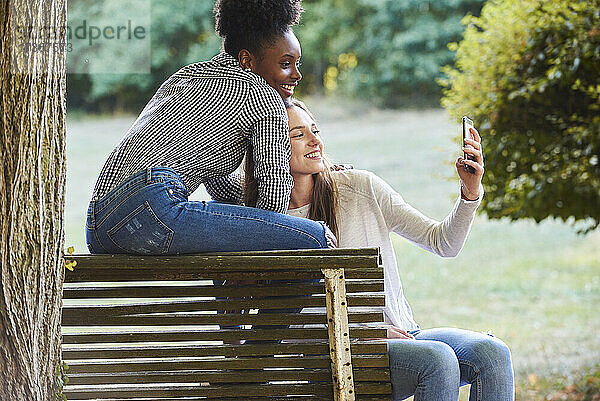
x=278, y=64
x=307, y=147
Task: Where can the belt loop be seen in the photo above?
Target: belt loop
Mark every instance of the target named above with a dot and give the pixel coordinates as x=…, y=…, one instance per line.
x=148, y=175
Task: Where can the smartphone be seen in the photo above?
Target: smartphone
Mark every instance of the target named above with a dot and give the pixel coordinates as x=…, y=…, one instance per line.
x=467, y=123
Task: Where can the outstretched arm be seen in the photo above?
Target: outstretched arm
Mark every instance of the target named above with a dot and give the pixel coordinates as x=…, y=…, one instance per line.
x=447, y=237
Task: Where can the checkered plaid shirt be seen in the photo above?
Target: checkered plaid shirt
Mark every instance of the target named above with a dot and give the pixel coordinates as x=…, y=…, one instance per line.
x=200, y=123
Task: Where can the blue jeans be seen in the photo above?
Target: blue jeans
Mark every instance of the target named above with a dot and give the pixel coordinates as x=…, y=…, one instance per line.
x=149, y=213
x=438, y=361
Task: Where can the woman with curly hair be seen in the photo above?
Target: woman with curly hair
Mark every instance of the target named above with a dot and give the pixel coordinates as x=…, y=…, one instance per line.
x=362, y=210
x=195, y=130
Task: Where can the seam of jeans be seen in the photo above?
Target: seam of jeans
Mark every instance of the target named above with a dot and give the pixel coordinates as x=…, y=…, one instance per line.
x=157, y=178
x=171, y=194
x=270, y=223
x=109, y=212
x=402, y=367
x=477, y=380
x=138, y=210
x=109, y=199
x=98, y=241
x=415, y=372
x=91, y=213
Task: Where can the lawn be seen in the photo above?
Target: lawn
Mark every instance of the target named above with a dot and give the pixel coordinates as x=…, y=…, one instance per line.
x=536, y=286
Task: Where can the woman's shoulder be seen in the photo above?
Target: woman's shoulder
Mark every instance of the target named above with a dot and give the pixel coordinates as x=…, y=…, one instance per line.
x=361, y=181
x=355, y=180
x=354, y=176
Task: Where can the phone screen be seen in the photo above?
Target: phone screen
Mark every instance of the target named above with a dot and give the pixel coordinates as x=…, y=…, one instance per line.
x=467, y=123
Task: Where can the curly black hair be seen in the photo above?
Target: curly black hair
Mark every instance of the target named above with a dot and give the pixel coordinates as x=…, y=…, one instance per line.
x=254, y=24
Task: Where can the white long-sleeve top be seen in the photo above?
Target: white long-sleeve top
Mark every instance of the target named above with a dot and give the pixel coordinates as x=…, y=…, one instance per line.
x=369, y=209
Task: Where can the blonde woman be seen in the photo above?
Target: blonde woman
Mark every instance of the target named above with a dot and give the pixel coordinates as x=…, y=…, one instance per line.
x=362, y=209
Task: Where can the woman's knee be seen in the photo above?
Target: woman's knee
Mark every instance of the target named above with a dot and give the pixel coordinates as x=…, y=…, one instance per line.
x=429, y=358
x=442, y=361
x=427, y=369
x=490, y=354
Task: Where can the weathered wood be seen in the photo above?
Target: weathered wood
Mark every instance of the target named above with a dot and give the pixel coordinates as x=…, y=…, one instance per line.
x=339, y=338
x=198, y=263
x=172, y=335
x=305, y=252
x=133, y=308
x=306, y=397
x=242, y=391
x=137, y=365
x=172, y=319
x=270, y=398
x=124, y=275
x=96, y=291
x=71, y=351
x=196, y=376
x=259, y=363
x=224, y=376
x=135, y=332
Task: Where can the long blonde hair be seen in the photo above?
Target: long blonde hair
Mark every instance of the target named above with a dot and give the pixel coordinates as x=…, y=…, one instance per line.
x=324, y=202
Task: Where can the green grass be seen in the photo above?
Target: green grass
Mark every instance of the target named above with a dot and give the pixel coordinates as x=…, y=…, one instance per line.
x=536, y=286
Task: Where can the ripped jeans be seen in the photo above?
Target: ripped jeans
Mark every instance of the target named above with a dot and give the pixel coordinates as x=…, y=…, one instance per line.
x=150, y=214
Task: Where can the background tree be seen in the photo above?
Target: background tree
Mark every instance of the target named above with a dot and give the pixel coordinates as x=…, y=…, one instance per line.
x=181, y=33
x=528, y=73
x=388, y=51
x=32, y=182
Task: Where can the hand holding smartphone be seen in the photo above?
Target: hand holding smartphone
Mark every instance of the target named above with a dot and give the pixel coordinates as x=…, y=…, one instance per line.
x=467, y=124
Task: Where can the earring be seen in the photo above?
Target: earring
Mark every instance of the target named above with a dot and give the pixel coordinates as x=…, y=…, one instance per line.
x=247, y=69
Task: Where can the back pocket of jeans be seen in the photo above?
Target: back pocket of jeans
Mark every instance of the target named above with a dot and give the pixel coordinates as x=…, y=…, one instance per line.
x=141, y=232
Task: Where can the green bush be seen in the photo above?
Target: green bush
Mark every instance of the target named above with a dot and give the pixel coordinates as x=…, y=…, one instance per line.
x=528, y=73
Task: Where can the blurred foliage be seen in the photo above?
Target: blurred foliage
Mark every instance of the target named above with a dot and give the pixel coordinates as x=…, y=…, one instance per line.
x=182, y=33
x=387, y=50
x=528, y=73
x=585, y=389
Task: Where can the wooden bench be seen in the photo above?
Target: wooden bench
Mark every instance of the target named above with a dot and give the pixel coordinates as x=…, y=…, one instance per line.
x=154, y=328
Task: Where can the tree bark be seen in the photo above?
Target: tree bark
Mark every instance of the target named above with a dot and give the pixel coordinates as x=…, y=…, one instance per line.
x=32, y=185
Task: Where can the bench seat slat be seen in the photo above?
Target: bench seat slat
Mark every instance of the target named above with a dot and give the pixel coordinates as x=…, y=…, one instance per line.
x=304, y=252
x=198, y=263
x=243, y=391
x=212, y=335
x=198, y=376
x=213, y=319
x=307, y=361
x=124, y=275
x=212, y=305
x=306, y=397
x=384, y=397
x=193, y=350
x=95, y=291
x=226, y=376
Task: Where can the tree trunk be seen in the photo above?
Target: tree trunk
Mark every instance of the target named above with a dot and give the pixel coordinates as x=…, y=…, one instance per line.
x=32, y=184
